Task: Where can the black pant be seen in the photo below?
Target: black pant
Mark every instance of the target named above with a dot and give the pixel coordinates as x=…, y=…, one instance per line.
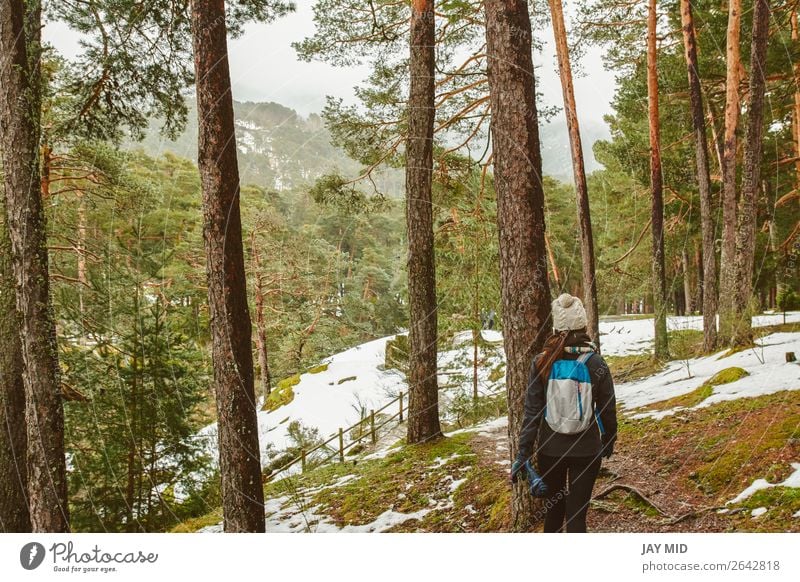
x=568, y=502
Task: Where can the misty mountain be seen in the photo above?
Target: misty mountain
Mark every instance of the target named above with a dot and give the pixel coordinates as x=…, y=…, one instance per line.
x=280, y=149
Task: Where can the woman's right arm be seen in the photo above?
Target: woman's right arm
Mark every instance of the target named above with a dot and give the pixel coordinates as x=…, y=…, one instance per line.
x=534, y=406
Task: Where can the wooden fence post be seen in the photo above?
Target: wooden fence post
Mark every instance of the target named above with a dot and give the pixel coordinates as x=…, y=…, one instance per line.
x=303, y=460
x=341, y=445
x=401, y=407
x=372, y=425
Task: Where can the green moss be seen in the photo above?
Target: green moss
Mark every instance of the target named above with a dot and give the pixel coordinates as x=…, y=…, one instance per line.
x=196, y=523
x=727, y=376
x=632, y=367
x=397, y=350
x=382, y=482
x=318, y=369
x=638, y=505
x=282, y=394
x=498, y=372
x=348, y=379
x=702, y=392
x=781, y=503
x=685, y=343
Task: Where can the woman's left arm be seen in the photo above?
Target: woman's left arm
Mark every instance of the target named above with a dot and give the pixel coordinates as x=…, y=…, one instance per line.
x=606, y=404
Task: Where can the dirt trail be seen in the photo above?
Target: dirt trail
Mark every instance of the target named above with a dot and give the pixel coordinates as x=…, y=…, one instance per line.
x=621, y=511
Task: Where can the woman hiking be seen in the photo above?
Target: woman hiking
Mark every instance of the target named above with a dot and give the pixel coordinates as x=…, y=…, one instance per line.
x=570, y=412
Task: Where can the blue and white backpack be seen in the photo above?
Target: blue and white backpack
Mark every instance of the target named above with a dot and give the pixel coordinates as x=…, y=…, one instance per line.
x=569, y=404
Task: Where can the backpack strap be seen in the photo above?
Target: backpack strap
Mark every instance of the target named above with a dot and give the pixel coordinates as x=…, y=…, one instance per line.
x=584, y=357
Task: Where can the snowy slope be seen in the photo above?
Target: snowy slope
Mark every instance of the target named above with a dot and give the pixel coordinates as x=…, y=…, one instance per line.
x=633, y=336
x=766, y=366
x=321, y=402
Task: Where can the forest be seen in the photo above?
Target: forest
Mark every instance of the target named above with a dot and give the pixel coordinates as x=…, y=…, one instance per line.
x=182, y=272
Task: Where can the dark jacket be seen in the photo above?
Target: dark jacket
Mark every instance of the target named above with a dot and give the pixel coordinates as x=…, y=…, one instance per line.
x=583, y=444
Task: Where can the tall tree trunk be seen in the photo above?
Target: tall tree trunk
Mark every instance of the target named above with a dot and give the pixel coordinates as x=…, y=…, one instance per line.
x=423, y=393
x=687, y=282
x=656, y=187
x=708, y=275
x=14, y=515
x=579, y=171
x=82, y=278
x=727, y=273
x=524, y=286
x=796, y=110
x=261, y=325
x=20, y=113
x=751, y=175
x=240, y=464
x=699, y=287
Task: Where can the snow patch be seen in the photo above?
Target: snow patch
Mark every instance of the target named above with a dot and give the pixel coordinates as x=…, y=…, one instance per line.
x=792, y=480
x=766, y=365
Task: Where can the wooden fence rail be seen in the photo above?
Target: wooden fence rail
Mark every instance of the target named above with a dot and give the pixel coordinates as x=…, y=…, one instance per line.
x=341, y=449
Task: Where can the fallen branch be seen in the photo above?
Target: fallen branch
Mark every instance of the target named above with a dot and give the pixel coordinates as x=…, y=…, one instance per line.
x=630, y=489
x=692, y=513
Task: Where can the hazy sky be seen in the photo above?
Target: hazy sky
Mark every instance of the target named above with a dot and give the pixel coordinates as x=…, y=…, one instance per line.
x=264, y=67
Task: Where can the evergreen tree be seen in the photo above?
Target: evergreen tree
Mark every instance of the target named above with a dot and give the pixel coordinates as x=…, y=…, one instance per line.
x=520, y=211
x=240, y=459
x=423, y=393
x=20, y=131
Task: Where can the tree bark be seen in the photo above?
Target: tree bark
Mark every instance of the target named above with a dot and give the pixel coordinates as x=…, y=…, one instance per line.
x=796, y=110
x=239, y=456
x=579, y=171
x=708, y=275
x=687, y=282
x=751, y=176
x=727, y=274
x=525, y=289
x=14, y=515
x=20, y=113
x=423, y=393
x=661, y=349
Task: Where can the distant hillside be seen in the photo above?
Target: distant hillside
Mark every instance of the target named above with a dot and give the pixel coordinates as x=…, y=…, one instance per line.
x=556, y=156
x=280, y=149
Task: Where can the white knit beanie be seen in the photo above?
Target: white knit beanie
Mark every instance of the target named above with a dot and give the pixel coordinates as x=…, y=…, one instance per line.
x=568, y=313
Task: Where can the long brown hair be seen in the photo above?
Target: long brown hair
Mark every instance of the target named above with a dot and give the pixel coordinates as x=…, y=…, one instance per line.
x=551, y=351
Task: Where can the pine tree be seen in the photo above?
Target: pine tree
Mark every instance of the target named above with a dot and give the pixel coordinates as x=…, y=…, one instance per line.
x=582, y=191
x=709, y=268
x=520, y=211
x=14, y=515
x=240, y=460
x=661, y=349
x=727, y=271
x=423, y=401
x=20, y=114
x=751, y=176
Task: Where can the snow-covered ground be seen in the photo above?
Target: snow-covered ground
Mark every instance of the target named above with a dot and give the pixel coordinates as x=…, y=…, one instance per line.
x=792, y=480
x=294, y=513
x=766, y=365
x=321, y=402
x=634, y=336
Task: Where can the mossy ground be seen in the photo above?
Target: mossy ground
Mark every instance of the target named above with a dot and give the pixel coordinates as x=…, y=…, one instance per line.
x=632, y=367
x=282, y=394
x=706, y=456
x=700, y=393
